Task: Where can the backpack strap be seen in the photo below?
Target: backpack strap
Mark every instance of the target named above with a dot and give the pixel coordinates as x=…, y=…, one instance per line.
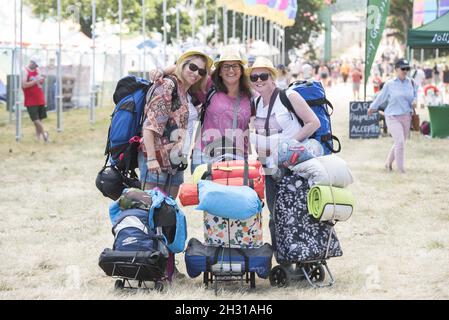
x=202, y=115
x=287, y=103
x=209, y=96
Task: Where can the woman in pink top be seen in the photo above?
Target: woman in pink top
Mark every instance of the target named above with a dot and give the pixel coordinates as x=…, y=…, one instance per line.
x=225, y=116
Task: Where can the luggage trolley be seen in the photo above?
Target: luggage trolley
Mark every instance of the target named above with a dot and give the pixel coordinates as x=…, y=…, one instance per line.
x=140, y=266
x=229, y=270
x=151, y=265
x=313, y=271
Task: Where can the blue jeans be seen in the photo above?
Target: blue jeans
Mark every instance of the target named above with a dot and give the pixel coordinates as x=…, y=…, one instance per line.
x=161, y=179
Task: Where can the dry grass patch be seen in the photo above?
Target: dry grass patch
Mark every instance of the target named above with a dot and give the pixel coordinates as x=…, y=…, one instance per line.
x=55, y=222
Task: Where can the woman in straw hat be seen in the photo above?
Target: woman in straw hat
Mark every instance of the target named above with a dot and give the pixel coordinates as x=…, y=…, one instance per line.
x=166, y=122
x=225, y=117
x=273, y=116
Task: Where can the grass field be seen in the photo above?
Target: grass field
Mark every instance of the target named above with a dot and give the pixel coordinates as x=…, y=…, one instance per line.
x=54, y=222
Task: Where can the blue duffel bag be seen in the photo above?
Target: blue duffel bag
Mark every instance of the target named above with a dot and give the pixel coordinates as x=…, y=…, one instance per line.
x=200, y=258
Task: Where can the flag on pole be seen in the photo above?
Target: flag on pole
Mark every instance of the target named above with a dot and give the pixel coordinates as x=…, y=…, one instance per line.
x=376, y=16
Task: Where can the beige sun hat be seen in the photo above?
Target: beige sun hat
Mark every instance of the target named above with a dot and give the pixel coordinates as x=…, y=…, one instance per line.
x=231, y=53
x=263, y=62
x=193, y=52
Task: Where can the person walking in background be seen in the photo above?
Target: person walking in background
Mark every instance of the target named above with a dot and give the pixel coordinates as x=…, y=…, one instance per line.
x=283, y=80
x=357, y=76
x=400, y=94
x=446, y=79
x=34, y=96
x=344, y=71
x=377, y=81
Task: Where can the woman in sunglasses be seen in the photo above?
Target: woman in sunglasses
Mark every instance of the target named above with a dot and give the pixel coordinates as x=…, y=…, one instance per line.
x=400, y=96
x=167, y=113
x=226, y=113
x=274, y=123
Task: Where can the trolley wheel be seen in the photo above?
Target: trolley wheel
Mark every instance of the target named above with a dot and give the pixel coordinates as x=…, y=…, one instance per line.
x=252, y=280
x=159, y=286
x=278, y=277
x=206, y=278
x=316, y=272
x=119, y=284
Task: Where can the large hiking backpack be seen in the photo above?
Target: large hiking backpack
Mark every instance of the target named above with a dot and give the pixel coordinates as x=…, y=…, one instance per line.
x=313, y=93
x=124, y=136
x=126, y=123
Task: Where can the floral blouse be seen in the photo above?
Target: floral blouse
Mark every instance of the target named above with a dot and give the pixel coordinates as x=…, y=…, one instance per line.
x=167, y=119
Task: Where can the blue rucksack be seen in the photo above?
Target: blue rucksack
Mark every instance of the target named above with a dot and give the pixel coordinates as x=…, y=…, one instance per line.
x=132, y=231
x=126, y=124
x=313, y=93
x=124, y=136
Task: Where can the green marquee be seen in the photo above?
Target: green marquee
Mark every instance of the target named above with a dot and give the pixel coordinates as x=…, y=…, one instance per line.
x=434, y=34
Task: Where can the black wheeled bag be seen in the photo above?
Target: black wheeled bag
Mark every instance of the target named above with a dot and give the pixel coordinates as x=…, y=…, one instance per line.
x=136, y=265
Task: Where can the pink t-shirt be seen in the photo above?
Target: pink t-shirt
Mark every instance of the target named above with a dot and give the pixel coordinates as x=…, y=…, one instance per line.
x=218, y=121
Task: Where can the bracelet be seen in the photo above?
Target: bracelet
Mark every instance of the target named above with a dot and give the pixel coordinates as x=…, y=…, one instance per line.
x=151, y=159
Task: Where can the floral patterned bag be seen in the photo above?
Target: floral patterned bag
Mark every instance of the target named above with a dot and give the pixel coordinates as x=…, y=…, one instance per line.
x=299, y=237
x=220, y=232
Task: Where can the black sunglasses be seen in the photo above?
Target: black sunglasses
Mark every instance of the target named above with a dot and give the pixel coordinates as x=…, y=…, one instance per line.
x=193, y=67
x=405, y=68
x=263, y=76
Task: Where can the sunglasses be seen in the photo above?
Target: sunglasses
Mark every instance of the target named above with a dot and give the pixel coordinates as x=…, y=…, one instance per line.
x=263, y=76
x=405, y=68
x=228, y=67
x=193, y=67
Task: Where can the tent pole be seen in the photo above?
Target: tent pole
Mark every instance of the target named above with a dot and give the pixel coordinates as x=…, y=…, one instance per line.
x=144, y=38
x=120, y=28
x=93, y=88
x=164, y=13
x=17, y=101
x=59, y=99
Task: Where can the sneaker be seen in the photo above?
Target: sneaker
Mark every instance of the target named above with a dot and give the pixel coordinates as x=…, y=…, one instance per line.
x=388, y=167
x=46, y=136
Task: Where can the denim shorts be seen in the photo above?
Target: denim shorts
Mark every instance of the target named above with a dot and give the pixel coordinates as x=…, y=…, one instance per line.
x=161, y=178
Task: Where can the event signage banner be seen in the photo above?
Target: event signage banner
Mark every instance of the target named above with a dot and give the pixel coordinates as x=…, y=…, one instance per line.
x=376, y=16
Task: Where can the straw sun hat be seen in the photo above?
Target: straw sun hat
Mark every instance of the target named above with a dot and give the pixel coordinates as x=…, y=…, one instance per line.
x=262, y=62
x=194, y=52
x=231, y=54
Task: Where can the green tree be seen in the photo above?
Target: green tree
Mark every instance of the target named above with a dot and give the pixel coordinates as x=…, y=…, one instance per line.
x=400, y=19
x=306, y=23
x=107, y=10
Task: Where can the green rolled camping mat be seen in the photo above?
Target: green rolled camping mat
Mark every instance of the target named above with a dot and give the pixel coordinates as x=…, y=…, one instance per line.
x=320, y=203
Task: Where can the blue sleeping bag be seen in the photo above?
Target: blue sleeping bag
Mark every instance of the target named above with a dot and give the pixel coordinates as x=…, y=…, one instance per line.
x=233, y=202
